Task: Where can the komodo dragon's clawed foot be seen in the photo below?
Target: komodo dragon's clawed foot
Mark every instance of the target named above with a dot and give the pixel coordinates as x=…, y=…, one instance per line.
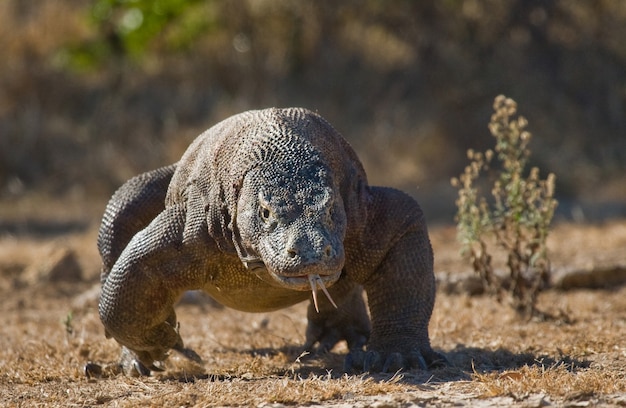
x=141, y=365
x=330, y=337
x=348, y=321
x=138, y=364
x=374, y=361
x=324, y=334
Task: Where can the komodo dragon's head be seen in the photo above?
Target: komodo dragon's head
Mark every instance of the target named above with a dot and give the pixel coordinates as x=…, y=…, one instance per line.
x=291, y=224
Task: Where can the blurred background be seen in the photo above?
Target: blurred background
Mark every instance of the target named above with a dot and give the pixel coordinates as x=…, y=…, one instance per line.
x=94, y=92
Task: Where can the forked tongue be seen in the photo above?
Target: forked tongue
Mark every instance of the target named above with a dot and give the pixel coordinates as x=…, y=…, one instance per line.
x=315, y=281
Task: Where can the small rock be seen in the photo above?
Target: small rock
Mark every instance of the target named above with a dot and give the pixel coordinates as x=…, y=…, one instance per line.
x=457, y=283
x=593, y=277
x=61, y=265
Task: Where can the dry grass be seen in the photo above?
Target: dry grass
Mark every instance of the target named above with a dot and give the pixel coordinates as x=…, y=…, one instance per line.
x=254, y=359
x=559, y=380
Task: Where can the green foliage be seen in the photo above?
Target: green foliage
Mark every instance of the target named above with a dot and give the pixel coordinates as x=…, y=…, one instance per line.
x=130, y=28
x=517, y=217
x=68, y=323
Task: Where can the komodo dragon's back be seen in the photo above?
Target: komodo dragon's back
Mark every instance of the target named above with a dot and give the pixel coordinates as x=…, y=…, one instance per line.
x=263, y=207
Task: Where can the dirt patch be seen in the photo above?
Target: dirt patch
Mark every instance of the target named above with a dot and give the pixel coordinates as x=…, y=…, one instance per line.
x=51, y=330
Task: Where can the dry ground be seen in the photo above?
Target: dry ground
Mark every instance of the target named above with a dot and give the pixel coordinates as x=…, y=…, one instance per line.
x=48, y=281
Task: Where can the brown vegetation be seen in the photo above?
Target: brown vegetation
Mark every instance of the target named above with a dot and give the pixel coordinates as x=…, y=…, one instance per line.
x=517, y=214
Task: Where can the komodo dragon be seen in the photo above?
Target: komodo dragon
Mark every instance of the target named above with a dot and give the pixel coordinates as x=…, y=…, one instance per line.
x=264, y=209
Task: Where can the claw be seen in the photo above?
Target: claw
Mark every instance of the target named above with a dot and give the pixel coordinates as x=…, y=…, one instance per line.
x=348, y=363
x=315, y=281
x=354, y=361
x=416, y=360
x=394, y=362
x=189, y=354
x=138, y=369
x=92, y=370
x=372, y=362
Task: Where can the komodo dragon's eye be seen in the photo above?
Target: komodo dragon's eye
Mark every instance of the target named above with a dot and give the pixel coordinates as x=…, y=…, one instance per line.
x=265, y=214
x=267, y=218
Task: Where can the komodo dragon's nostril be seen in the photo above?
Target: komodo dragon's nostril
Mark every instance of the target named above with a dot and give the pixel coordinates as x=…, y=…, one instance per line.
x=328, y=251
x=292, y=253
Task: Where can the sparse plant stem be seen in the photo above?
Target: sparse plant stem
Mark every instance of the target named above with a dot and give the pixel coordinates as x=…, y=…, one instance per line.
x=518, y=217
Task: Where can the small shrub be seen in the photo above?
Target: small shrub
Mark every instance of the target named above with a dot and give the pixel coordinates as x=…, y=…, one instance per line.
x=516, y=218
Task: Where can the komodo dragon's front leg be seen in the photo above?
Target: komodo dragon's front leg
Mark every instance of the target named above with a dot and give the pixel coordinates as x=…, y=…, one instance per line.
x=400, y=288
x=137, y=301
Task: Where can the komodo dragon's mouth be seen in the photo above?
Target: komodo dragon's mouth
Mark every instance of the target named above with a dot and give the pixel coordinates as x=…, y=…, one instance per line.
x=315, y=281
x=312, y=280
x=297, y=282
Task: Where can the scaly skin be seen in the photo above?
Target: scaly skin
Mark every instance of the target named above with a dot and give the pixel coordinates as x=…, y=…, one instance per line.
x=260, y=206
